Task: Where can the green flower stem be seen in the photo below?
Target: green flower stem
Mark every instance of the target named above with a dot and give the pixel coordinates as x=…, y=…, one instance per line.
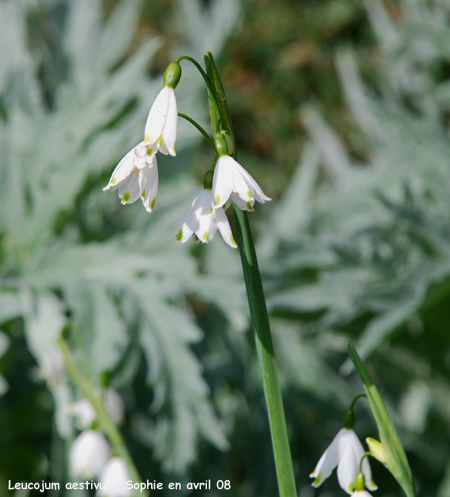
x=105, y=422
x=266, y=356
x=202, y=131
x=205, y=77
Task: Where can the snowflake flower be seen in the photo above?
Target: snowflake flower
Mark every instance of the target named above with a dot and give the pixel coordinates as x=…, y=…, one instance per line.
x=231, y=180
x=114, y=478
x=89, y=454
x=345, y=452
x=204, y=221
x=136, y=176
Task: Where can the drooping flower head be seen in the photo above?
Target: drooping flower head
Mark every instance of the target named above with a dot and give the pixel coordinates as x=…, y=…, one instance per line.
x=114, y=478
x=232, y=181
x=345, y=452
x=89, y=454
x=136, y=176
x=161, y=126
x=204, y=221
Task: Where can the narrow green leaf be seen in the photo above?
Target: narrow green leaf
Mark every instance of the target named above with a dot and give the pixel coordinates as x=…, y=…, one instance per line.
x=396, y=460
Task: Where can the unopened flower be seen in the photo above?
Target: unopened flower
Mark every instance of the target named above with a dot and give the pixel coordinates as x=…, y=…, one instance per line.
x=89, y=454
x=136, y=176
x=114, y=478
x=85, y=413
x=231, y=180
x=161, y=125
x=204, y=221
x=345, y=452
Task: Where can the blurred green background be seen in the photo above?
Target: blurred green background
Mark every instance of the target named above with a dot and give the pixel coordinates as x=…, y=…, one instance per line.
x=341, y=111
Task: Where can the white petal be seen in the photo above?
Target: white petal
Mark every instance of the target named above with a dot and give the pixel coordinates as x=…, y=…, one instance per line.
x=114, y=479
x=370, y=484
x=253, y=186
x=148, y=185
x=156, y=118
x=129, y=189
x=121, y=172
x=89, y=454
x=207, y=226
x=189, y=224
x=327, y=462
x=360, y=493
x=170, y=128
x=350, y=454
x=224, y=228
x=222, y=181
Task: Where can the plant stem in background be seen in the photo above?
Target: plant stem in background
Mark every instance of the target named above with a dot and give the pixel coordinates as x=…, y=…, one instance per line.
x=266, y=356
x=105, y=422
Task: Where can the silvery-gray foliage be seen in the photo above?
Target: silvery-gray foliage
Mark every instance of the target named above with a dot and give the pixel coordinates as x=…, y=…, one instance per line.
x=73, y=101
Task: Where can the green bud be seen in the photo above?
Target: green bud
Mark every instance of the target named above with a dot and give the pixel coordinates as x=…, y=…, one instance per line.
x=229, y=141
x=208, y=180
x=221, y=146
x=376, y=449
x=349, y=419
x=360, y=482
x=172, y=75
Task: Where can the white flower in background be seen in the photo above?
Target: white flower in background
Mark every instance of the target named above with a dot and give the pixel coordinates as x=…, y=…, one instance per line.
x=52, y=366
x=231, y=180
x=89, y=454
x=360, y=493
x=86, y=414
x=345, y=452
x=114, y=478
x=204, y=221
x=136, y=176
x=161, y=125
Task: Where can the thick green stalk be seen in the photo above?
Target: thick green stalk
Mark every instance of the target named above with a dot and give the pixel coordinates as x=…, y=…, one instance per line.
x=266, y=356
x=105, y=422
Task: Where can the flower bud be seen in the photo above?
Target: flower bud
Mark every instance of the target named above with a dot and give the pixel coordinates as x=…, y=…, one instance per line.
x=172, y=75
x=376, y=449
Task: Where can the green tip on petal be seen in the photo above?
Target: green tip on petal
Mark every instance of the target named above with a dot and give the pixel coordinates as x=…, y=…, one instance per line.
x=113, y=181
x=126, y=196
x=179, y=236
x=147, y=139
x=143, y=194
x=249, y=206
x=350, y=488
x=217, y=200
x=374, y=485
x=152, y=203
x=205, y=236
x=233, y=241
x=317, y=481
x=249, y=195
x=149, y=149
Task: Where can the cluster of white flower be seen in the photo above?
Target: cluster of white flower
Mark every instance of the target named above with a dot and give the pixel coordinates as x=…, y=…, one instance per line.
x=136, y=175
x=90, y=454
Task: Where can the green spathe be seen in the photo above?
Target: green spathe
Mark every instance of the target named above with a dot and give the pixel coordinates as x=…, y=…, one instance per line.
x=393, y=451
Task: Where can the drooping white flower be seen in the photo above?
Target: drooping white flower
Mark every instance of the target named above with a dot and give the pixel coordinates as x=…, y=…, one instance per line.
x=231, y=180
x=161, y=125
x=136, y=176
x=204, y=221
x=89, y=454
x=114, y=478
x=345, y=452
x=52, y=366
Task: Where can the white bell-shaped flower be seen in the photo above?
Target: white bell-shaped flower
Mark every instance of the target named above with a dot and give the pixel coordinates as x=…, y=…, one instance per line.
x=345, y=452
x=89, y=454
x=232, y=181
x=161, y=125
x=204, y=221
x=114, y=478
x=136, y=176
